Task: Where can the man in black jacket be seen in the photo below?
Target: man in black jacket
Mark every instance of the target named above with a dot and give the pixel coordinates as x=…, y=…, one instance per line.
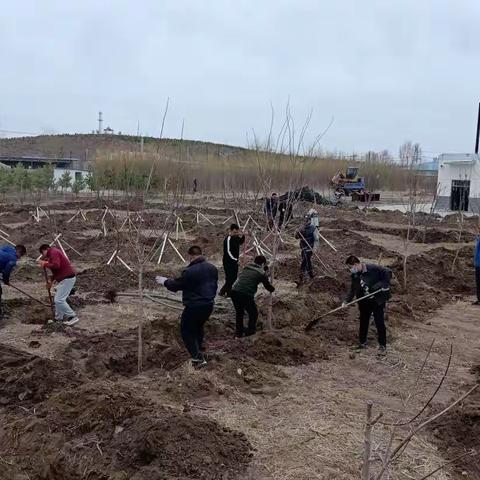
x=306, y=234
x=231, y=254
x=366, y=279
x=198, y=284
x=271, y=207
x=243, y=294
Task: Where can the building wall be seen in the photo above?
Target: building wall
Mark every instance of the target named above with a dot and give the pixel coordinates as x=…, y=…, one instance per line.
x=454, y=167
x=58, y=172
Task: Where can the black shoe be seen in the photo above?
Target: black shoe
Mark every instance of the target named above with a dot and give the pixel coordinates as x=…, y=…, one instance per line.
x=360, y=347
x=198, y=363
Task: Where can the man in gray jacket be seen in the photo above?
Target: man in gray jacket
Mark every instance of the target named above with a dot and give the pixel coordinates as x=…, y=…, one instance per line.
x=243, y=294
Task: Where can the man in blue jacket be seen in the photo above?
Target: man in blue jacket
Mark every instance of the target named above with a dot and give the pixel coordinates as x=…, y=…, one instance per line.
x=198, y=284
x=8, y=259
x=366, y=279
x=477, y=269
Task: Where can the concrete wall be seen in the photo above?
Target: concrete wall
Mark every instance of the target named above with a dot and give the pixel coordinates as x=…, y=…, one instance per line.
x=458, y=166
x=58, y=172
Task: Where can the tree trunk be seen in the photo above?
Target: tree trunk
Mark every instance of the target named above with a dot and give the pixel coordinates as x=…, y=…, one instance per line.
x=367, y=441
x=269, y=322
x=140, y=336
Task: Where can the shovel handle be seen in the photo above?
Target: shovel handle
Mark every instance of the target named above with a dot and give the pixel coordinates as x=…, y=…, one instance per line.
x=316, y=320
x=27, y=294
x=49, y=293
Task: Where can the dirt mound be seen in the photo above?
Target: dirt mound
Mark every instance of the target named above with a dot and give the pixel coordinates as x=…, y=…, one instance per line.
x=434, y=269
x=116, y=352
x=112, y=277
x=459, y=432
x=26, y=378
x=280, y=348
x=104, y=431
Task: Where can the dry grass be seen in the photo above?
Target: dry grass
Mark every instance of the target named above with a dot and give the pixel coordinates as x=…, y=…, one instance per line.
x=244, y=170
x=314, y=427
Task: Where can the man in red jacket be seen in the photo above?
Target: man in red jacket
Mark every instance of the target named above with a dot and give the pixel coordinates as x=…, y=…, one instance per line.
x=64, y=275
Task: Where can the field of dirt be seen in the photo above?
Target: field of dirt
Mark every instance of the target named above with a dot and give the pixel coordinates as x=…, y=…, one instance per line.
x=281, y=404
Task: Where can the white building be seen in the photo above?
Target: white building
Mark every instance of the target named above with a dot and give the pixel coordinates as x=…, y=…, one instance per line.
x=459, y=182
x=74, y=175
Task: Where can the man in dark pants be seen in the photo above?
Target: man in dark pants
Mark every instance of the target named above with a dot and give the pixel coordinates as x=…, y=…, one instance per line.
x=8, y=259
x=306, y=234
x=231, y=255
x=271, y=207
x=243, y=294
x=285, y=207
x=477, y=269
x=198, y=283
x=366, y=279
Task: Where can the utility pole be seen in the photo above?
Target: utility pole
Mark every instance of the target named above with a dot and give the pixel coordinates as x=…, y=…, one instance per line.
x=100, y=122
x=478, y=130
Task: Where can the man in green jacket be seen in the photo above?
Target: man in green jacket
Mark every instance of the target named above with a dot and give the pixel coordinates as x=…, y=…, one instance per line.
x=243, y=294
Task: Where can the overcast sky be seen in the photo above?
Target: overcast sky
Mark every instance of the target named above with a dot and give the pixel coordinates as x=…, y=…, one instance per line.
x=387, y=71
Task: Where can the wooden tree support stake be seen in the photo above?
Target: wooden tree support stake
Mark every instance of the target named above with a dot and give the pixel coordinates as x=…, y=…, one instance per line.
x=176, y=251
x=7, y=240
x=50, y=245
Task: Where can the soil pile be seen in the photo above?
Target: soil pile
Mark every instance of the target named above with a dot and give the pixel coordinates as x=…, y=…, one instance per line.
x=112, y=277
x=26, y=378
x=103, y=431
x=458, y=432
x=279, y=348
x=116, y=352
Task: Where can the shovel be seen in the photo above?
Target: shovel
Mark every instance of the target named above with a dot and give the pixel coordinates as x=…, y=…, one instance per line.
x=27, y=295
x=49, y=294
x=315, y=321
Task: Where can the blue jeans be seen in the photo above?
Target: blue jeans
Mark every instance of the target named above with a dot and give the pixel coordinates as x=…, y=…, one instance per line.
x=62, y=308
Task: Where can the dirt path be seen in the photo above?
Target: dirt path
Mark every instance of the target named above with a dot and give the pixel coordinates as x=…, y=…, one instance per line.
x=313, y=428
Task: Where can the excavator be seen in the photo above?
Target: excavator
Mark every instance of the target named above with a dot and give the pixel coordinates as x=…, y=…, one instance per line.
x=350, y=184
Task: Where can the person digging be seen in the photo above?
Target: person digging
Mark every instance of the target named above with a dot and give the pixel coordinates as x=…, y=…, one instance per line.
x=8, y=260
x=231, y=255
x=367, y=278
x=198, y=284
x=63, y=275
x=307, y=235
x=243, y=295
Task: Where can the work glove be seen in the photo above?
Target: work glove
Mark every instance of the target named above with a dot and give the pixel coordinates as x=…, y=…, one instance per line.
x=161, y=280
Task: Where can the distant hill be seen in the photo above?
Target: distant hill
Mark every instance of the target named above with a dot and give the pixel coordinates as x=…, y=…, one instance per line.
x=86, y=146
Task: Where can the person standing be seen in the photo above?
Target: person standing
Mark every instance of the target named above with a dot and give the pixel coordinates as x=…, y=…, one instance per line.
x=306, y=234
x=63, y=274
x=285, y=207
x=271, y=207
x=477, y=269
x=367, y=278
x=198, y=284
x=231, y=255
x=243, y=294
x=8, y=260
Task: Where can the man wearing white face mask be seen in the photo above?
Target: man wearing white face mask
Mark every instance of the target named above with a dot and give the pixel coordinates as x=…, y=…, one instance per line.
x=367, y=279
